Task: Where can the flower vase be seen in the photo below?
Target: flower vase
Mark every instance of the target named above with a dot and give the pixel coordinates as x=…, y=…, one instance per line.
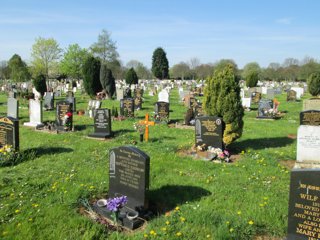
x=141, y=137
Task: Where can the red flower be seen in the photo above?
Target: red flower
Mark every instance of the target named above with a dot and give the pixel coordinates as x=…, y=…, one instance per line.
x=68, y=114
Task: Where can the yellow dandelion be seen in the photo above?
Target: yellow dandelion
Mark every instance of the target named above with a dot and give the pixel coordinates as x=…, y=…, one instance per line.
x=178, y=234
x=239, y=212
x=17, y=211
x=152, y=232
x=81, y=184
x=19, y=224
x=91, y=187
x=242, y=152
x=164, y=229
x=251, y=222
x=208, y=236
x=145, y=235
x=231, y=230
x=227, y=222
x=182, y=219
x=167, y=222
x=261, y=205
x=177, y=209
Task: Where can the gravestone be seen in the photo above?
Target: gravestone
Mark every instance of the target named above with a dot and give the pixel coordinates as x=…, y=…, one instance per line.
x=72, y=100
x=35, y=114
x=69, y=94
x=270, y=93
x=138, y=93
x=311, y=117
x=102, y=123
x=49, y=101
x=12, y=94
x=291, y=96
x=311, y=104
x=265, y=109
x=198, y=110
x=209, y=131
x=162, y=111
x=9, y=132
x=304, y=205
x=255, y=97
x=93, y=105
x=64, y=116
x=246, y=102
x=163, y=96
x=137, y=103
x=299, y=92
x=13, y=108
x=120, y=93
x=127, y=107
x=189, y=116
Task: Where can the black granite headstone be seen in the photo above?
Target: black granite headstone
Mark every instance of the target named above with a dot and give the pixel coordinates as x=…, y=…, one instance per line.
x=102, y=123
x=311, y=117
x=162, y=111
x=127, y=107
x=264, y=109
x=304, y=205
x=137, y=103
x=129, y=175
x=64, y=116
x=138, y=93
x=209, y=131
x=9, y=132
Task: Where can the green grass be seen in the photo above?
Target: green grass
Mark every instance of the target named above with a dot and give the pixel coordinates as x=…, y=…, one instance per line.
x=40, y=197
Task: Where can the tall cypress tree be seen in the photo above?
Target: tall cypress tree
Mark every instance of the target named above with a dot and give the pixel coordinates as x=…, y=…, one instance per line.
x=107, y=80
x=222, y=99
x=160, y=64
x=131, y=77
x=91, y=73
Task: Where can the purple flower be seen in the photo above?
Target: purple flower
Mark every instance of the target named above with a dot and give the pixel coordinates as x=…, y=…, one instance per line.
x=114, y=204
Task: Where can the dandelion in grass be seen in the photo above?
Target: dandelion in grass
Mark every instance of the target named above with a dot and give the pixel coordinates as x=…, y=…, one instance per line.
x=208, y=236
x=167, y=222
x=177, y=209
x=145, y=235
x=231, y=230
x=178, y=234
x=164, y=229
x=227, y=222
x=239, y=212
x=182, y=219
x=153, y=233
x=251, y=222
x=17, y=211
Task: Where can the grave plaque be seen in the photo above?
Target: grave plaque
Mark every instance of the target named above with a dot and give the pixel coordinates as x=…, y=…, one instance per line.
x=64, y=116
x=209, y=131
x=102, y=123
x=129, y=175
x=311, y=104
x=162, y=111
x=13, y=108
x=304, y=205
x=9, y=132
x=311, y=117
x=127, y=107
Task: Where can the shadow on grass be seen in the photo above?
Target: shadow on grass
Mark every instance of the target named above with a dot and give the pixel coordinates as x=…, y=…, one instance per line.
x=161, y=139
x=168, y=197
x=260, y=143
x=121, y=132
x=40, y=151
x=80, y=127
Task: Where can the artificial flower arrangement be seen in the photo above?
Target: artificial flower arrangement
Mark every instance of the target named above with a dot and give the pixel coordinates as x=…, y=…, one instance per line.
x=67, y=120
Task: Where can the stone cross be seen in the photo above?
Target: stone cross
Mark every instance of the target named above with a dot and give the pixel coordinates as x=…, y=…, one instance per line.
x=147, y=123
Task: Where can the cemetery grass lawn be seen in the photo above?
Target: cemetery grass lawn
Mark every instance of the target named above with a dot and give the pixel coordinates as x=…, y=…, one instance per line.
x=40, y=197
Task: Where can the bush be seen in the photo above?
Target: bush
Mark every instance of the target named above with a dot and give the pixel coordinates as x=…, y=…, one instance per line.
x=40, y=84
x=252, y=79
x=91, y=73
x=131, y=77
x=222, y=99
x=314, y=84
x=10, y=157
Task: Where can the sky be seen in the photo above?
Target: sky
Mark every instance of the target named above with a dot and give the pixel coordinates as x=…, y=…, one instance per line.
x=245, y=31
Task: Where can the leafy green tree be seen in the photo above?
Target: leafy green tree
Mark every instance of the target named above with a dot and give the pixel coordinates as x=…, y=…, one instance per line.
x=4, y=70
x=222, y=99
x=45, y=55
x=105, y=48
x=107, y=81
x=180, y=70
x=142, y=71
x=91, y=73
x=314, y=84
x=39, y=83
x=251, y=73
x=221, y=64
x=204, y=70
x=18, y=69
x=131, y=77
x=160, y=64
x=309, y=66
x=72, y=62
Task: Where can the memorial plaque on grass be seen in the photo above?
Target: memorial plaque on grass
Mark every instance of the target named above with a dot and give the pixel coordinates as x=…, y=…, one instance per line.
x=102, y=123
x=129, y=175
x=64, y=116
x=209, y=131
x=304, y=205
x=311, y=117
x=127, y=107
x=9, y=132
x=291, y=96
x=13, y=108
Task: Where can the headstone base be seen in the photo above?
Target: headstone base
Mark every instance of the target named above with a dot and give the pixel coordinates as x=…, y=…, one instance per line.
x=99, y=135
x=309, y=164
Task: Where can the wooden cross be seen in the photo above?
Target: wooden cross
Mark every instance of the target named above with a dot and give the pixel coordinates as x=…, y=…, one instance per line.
x=147, y=123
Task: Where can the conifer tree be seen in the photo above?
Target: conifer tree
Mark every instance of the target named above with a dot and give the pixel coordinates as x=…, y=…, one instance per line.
x=107, y=81
x=314, y=84
x=160, y=64
x=222, y=99
x=91, y=73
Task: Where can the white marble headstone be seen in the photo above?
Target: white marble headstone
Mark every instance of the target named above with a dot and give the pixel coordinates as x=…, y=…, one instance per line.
x=35, y=113
x=246, y=102
x=308, y=144
x=163, y=96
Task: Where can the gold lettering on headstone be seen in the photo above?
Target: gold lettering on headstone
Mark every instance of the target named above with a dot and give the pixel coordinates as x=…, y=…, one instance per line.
x=312, y=118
